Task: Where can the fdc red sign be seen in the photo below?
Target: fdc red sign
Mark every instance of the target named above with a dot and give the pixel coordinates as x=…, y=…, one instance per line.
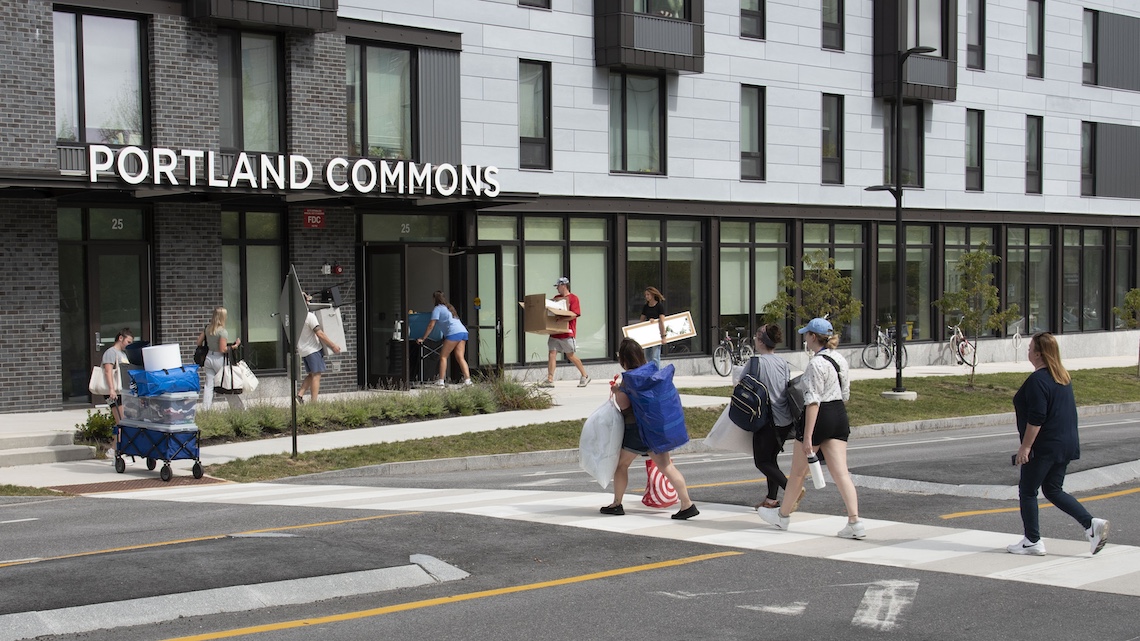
x=314, y=218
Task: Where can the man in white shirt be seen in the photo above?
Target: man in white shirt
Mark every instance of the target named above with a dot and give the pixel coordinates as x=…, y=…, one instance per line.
x=309, y=346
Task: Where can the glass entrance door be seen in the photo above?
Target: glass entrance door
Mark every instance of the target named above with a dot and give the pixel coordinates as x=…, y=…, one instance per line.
x=385, y=351
x=103, y=288
x=485, y=308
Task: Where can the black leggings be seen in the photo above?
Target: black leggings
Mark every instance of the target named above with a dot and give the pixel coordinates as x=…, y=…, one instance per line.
x=766, y=444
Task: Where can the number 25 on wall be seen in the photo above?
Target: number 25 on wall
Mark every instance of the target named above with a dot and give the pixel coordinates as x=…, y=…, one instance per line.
x=405, y=228
x=117, y=224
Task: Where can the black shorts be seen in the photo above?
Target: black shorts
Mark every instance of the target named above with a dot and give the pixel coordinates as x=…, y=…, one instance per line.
x=632, y=440
x=831, y=423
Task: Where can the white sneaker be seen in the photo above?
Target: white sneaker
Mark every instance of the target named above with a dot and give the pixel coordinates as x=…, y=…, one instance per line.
x=853, y=531
x=1025, y=547
x=440, y=383
x=772, y=516
x=584, y=381
x=1097, y=535
x=467, y=381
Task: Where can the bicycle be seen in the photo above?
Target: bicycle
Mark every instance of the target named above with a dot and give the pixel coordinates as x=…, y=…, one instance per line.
x=963, y=350
x=730, y=353
x=881, y=353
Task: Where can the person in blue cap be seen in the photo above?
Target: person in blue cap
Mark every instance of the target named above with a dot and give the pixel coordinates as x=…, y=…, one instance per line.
x=826, y=388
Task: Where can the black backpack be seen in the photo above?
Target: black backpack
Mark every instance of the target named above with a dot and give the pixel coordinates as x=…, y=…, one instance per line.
x=751, y=407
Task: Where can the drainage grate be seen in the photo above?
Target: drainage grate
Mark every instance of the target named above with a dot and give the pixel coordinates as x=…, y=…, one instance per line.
x=134, y=484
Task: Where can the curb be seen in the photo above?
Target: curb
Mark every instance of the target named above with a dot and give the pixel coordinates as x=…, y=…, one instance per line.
x=695, y=446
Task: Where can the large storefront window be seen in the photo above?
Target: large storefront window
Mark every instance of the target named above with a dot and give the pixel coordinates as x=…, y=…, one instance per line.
x=844, y=243
x=1082, y=284
x=379, y=85
x=752, y=259
x=1125, y=268
x=503, y=231
x=667, y=256
x=919, y=257
x=249, y=91
x=99, y=79
x=960, y=240
x=1029, y=260
x=252, y=269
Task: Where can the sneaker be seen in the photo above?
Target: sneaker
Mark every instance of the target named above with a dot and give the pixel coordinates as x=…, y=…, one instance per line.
x=467, y=382
x=546, y=384
x=440, y=383
x=853, y=531
x=773, y=517
x=1097, y=535
x=584, y=381
x=1026, y=547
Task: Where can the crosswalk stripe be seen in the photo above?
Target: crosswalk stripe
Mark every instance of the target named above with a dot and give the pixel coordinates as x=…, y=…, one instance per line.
x=889, y=543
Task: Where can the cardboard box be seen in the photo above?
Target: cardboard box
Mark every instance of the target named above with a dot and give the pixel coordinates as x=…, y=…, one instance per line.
x=544, y=316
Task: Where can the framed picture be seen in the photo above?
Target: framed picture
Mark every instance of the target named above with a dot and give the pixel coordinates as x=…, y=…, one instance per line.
x=677, y=326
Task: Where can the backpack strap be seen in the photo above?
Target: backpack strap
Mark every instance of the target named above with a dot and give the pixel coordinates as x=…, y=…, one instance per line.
x=831, y=360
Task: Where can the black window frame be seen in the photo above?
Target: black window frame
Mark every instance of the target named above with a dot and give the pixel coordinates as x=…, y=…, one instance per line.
x=759, y=16
x=243, y=242
x=835, y=161
x=1088, y=69
x=662, y=126
x=836, y=30
x=413, y=89
x=920, y=131
x=1088, y=158
x=1035, y=62
x=976, y=54
x=238, y=116
x=686, y=10
x=535, y=4
x=1076, y=265
x=543, y=144
x=1033, y=167
x=761, y=156
x=944, y=26
x=976, y=176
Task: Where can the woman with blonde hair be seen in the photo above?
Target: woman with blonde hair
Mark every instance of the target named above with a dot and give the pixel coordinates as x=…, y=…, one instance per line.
x=826, y=388
x=654, y=309
x=1046, y=414
x=217, y=340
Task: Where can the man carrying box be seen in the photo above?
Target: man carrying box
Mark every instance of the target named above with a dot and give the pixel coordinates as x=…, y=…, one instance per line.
x=565, y=342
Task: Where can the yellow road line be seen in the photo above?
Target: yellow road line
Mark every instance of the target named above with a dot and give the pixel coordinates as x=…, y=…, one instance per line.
x=1099, y=497
x=458, y=598
x=213, y=537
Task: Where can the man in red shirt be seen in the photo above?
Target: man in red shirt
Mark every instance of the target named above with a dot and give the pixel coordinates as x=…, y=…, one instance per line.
x=565, y=342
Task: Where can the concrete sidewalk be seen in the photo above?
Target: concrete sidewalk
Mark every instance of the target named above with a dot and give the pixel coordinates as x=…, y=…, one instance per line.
x=571, y=403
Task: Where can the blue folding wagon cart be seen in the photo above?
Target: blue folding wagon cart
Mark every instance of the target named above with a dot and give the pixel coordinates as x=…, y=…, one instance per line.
x=157, y=442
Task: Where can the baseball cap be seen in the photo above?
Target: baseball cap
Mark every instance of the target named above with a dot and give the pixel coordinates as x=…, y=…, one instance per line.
x=817, y=326
x=562, y=281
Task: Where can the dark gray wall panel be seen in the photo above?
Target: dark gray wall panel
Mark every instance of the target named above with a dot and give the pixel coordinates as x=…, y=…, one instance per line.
x=439, y=127
x=1118, y=51
x=1117, y=160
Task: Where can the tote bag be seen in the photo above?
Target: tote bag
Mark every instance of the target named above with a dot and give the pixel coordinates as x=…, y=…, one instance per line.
x=98, y=383
x=728, y=436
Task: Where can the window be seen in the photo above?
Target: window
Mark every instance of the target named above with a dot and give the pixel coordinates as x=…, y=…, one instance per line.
x=249, y=91
x=919, y=252
x=1088, y=158
x=925, y=26
x=540, y=4
x=832, y=37
x=976, y=34
x=380, y=102
x=1124, y=268
x=637, y=123
x=1033, y=135
x=534, y=115
x=669, y=256
x=912, y=144
x=752, y=18
x=975, y=149
x=252, y=264
x=1088, y=47
x=664, y=8
x=752, y=105
x=1082, y=280
x=1034, y=39
x=958, y=241
x=752, y=261
x=99, y=79
x=1028, y=263
x=832, y=139
x=845, y=244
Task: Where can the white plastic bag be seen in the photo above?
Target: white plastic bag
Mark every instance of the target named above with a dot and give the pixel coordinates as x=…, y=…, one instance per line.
x=726, y=435
x=600, y=445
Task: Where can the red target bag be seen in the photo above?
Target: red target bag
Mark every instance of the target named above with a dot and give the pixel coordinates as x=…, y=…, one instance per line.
x=659, y=492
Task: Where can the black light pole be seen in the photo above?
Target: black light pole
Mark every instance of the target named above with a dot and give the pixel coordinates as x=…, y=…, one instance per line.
x=896, y=189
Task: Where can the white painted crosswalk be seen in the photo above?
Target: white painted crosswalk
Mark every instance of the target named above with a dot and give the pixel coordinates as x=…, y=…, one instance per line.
x=920, y=547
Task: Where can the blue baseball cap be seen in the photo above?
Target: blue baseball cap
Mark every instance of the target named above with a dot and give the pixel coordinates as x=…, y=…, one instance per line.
x=820, y=326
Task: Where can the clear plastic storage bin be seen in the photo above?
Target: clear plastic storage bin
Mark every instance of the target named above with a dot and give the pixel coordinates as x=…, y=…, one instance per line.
x=166, y=409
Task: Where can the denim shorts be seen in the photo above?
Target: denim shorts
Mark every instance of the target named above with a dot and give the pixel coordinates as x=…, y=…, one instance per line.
x=461, y=336
x=315, y=363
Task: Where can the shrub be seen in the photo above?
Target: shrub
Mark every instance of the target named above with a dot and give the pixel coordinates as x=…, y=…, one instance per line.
x=511, y=395
x=98, y=428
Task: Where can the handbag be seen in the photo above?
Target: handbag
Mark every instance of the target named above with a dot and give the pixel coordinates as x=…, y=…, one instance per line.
x=727, y=435
x=229, y=382
x=247, y=378
x=659, y=491
x=98, y=383
x=201, y=351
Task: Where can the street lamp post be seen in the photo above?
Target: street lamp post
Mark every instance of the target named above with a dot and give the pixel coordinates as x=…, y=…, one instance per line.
x=896, y=189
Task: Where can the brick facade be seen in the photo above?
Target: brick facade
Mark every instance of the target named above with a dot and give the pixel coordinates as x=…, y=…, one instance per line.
x=27, y=130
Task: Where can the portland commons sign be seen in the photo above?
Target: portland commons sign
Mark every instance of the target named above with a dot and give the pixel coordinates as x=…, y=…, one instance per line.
x=292, y=172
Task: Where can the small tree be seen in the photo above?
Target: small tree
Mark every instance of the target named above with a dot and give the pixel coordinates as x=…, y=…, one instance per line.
x=823, y=291
x=976, y=298
x=1129, y=314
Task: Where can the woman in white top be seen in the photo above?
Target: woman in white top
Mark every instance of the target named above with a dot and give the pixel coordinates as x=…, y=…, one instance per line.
x=826, y=388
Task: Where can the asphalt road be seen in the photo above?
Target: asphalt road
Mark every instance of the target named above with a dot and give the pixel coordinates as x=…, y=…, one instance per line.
x=538, y=580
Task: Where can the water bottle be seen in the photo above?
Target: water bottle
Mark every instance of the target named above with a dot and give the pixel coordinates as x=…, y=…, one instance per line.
x=816, y=472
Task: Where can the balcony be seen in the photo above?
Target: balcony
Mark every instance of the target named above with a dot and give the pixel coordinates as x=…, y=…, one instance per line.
x=925, y=77
x=282, y=15
x=629, y=35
